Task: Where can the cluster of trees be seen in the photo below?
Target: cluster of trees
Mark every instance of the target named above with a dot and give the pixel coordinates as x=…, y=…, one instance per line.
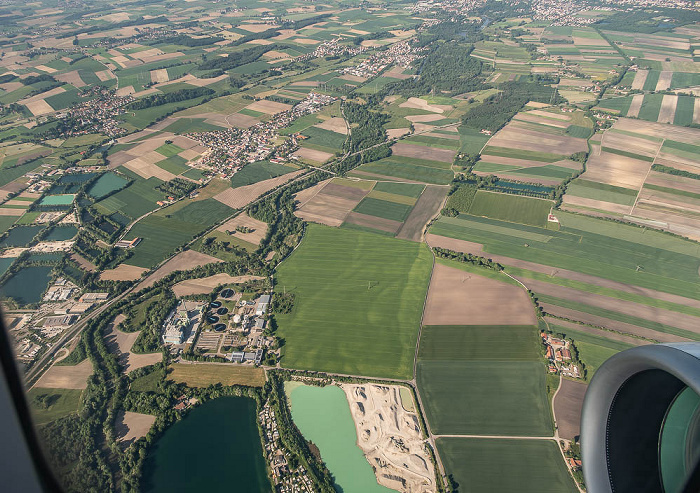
x=282, y=303
x=447, y=68
x=673, y=171
x=237, y=59
x=467, y=258
x=185, y=40
x=148, y=340
x=177, y=187
x=212, y=246
x=370, y=126
x=459, y=199
x=172, y=97
x=498, y=109
x=648, y=21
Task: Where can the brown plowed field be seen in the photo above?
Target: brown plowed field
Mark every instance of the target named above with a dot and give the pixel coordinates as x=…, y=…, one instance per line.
x=121, y=343
x=123, y=272
x=610, y=324
x=427, y=206
x=255, y=237
x=456, y=297
x=530, y=140
x=373, y=222
x=567, y=408
x=66, y=377
x=476, y=249
x=423, y=152
x=596, y=204
x=671, y=181
x=680, y=134
x=237, y=198
x=131, y=426
x=613, y=169
x=331, y=205
x=189, y=259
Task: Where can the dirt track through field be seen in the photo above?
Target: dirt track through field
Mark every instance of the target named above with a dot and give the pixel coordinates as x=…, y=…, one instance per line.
x=426, y=208
x=611, y=324
x=607, y=334
x=659, y=315
x=456, y=297
x=476, y=249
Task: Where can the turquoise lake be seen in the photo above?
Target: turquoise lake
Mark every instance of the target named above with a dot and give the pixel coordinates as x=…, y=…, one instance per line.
x=322, y=414
x=216, y=447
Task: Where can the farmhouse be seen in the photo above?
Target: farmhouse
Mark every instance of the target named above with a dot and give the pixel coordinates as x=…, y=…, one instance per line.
x=128, y=243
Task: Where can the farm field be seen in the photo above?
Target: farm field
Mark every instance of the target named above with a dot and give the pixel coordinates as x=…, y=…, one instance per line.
x=259, y=171
x=478, y=464
x=348, y=284
x=199, y=375
x=500, y=392
x=49, y=404
x=513, y=208
x=638, y=186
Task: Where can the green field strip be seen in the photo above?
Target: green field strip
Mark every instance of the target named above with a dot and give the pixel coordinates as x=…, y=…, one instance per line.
x=549, y=171
x=578, y=190
x=418, y=162
x=685, y=109
x=366, y=229
x=650, y=138
x=474, y=342
x=651, y=107
x=465, y=221
x=413, y=190
x=544, y=157
x=620, y=317
x=513, y=208
x=622, y=105
x=409, y=172
x=681, y=149
x=502, y=465
x=394, y=211
x=487, y=167
x=612, y=293
x=620, y=152
x=581, y=336
x=391, y=197
x=651, y=80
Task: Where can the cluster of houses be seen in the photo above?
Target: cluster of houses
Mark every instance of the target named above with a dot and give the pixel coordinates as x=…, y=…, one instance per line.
x=332, y=47
x=285, y=480
x=98, y=115
x=232, y=149
x=558, y=352
x=401, y=54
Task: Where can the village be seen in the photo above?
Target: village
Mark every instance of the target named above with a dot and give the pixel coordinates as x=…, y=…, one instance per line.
x=285, y=478
x=233, y=148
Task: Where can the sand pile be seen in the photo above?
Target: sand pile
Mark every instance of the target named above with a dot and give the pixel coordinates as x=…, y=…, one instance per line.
x=390, y=438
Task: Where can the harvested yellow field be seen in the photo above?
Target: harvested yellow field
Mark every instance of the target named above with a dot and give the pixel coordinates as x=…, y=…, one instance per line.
x=268, y=107
x=206, y=285
x=255, y=236
x=237, y=198
x=123, y=272
x=66, y=377
x=313, y=155
x=159, y=75
x=39, y=107
x=422, y=104
x=334, y=124
x=668, y=108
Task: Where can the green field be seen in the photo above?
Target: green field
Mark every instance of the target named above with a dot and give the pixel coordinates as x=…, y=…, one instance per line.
x=164, y=231
x=483, y=380
x=358, y=302
x=525, y=466
x=50, y=404
x=189, y=125
x=135, y=200
x=413, y=190
x=513, y=208
x=602, y=191
x=259, y=171
x=392, y=168
x=384, y=209
x=623, y=253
